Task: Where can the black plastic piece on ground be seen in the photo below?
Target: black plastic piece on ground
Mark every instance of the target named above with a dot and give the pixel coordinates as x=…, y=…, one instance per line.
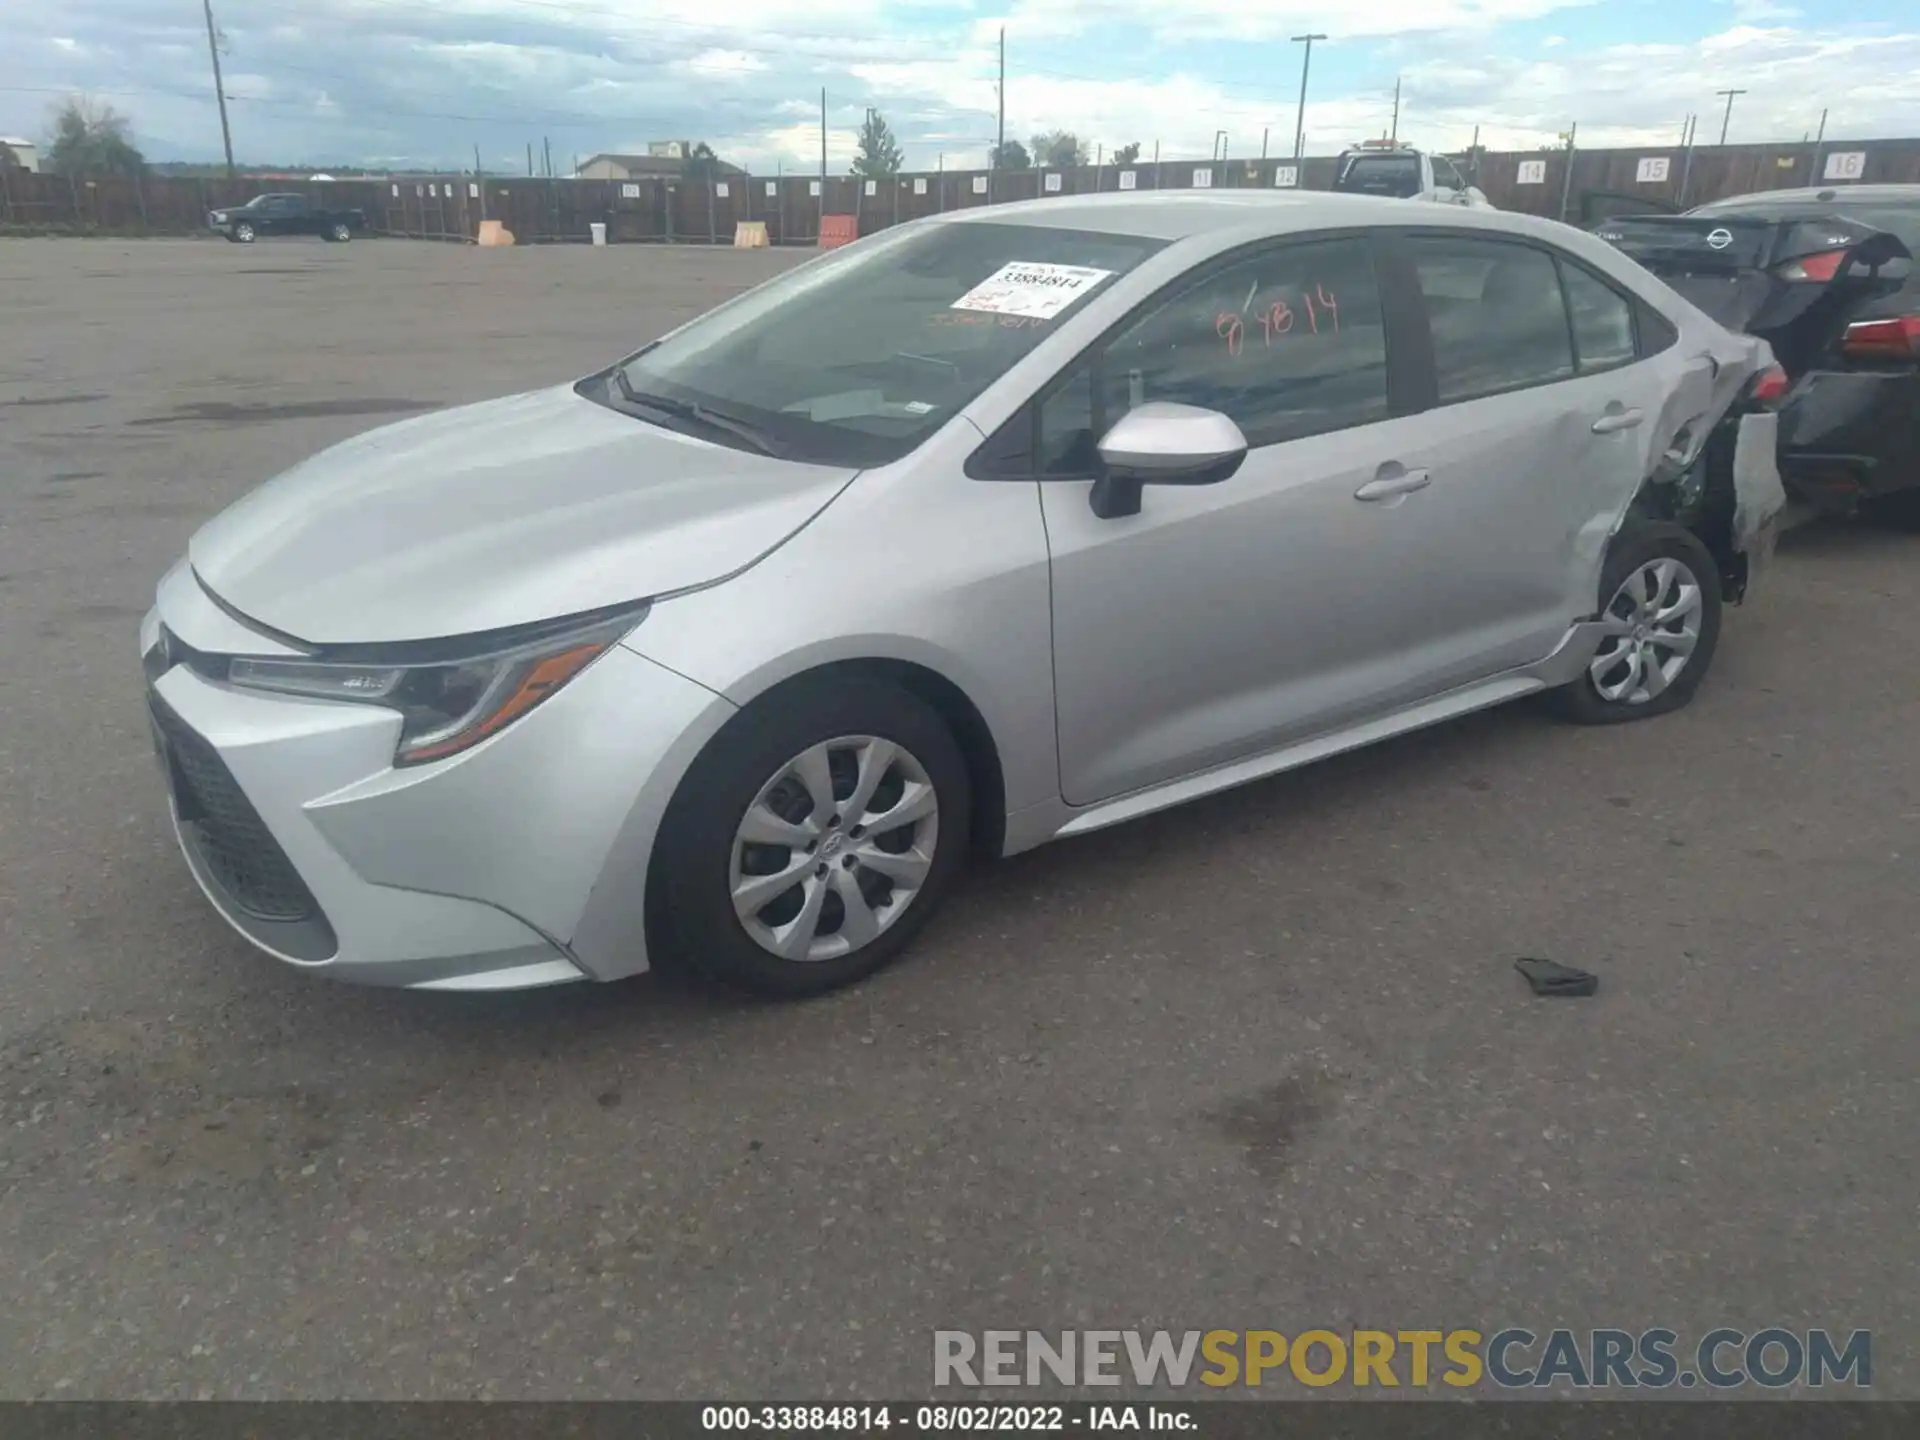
x=1550, y=977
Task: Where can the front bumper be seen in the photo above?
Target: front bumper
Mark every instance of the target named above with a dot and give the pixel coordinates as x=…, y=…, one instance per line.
x=471, y=873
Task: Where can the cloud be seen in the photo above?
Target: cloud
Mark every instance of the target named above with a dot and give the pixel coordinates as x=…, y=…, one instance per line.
x=725, y=64
x=422, y=82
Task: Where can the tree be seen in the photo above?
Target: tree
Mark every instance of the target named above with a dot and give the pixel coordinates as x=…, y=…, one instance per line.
x=879, y=155
x=1058, y=149
x=702, y=166
x=8, y=159
x=1127, y=154
x=1012, y=156
x=90, y=139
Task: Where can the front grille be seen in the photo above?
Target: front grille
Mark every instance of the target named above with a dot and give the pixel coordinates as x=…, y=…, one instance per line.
x=225, y=830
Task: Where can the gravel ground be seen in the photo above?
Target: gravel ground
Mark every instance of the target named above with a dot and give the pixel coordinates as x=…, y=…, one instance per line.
x=1259, y=1062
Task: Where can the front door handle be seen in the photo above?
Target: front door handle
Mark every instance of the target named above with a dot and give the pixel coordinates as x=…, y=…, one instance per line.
x=1391, y=482
x=1616, y=420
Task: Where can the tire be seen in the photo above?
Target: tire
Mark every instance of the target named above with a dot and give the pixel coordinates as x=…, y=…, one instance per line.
x=1670, y=559
x=339, y=234
x=753, y=764
x=243, y=234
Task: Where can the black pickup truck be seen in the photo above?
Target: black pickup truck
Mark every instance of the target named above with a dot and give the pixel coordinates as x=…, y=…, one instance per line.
x=285, y=215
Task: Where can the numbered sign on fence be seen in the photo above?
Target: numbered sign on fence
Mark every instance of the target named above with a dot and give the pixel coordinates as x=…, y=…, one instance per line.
x=720, y=189
x=773, y=188
x=1532, y=172
x=1203, y=179
x=873, y=187
x=396, y=192
x=1287, y=177
x=629, y=192
x=1128, y=179
x=1652, y=170
x=813, y=188
x=979, y=184
x=1845, y=165
x=920, y=185
x=1053, y=183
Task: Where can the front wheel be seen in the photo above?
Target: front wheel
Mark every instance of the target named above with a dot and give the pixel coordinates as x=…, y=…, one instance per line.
x=1661, y=622
x=243, y=234
x=813, y=838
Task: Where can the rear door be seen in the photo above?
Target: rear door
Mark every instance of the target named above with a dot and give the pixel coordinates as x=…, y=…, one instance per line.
x=1551, y=390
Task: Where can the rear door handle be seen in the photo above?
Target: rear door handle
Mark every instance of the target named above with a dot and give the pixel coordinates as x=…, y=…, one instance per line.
x=1617, y=420
x=1392, y=481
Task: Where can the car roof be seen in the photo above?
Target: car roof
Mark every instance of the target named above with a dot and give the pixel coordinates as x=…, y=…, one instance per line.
x=1187, y=214
x=1820, y=195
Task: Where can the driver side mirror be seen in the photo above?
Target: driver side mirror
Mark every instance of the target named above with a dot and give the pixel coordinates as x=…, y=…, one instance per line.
x=1161, y=443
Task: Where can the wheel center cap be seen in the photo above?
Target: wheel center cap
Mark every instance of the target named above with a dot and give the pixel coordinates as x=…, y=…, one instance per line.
x=835, y=842
x=1640, y=634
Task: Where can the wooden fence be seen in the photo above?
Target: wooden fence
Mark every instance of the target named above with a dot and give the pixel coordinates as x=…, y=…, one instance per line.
x=542, y=211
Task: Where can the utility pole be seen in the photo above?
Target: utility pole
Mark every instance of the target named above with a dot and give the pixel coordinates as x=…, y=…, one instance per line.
x=822, y=222
x=219, y=89
x=1300, y=116
x=1396, y=109
x=1727, y=119
x=1000, y=134
x=1813, y=170
x=1686, y=164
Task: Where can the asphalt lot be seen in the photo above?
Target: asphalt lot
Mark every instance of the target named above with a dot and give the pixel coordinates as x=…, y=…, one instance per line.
x=1259, y=1062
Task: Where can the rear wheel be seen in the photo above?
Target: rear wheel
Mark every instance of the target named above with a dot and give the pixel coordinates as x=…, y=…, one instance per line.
x=339, y=234
x=1661, y=616
x=813, y=838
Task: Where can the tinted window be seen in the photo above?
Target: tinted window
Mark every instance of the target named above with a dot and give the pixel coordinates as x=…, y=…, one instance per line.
x=1499, y=321
x=1394, y=175
x=1602, y=320
x=857, y=357
x=1446, y=176
x=1288, y=343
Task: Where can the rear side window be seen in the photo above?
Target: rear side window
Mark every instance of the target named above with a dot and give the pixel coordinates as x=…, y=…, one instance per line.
x=1602, y=320
x=1497, y=315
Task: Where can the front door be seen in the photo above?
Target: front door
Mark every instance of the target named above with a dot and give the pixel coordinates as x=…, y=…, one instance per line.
x=1224, y=619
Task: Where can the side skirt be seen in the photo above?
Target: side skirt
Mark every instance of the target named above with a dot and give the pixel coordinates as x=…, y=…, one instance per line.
x=1038, y=824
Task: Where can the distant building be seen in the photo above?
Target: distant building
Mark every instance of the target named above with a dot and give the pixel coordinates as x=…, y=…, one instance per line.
x=25, y=151
x=670, y=164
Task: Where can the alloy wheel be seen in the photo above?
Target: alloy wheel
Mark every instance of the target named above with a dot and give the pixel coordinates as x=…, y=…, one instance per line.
x=1651, y=626
x=834, y=848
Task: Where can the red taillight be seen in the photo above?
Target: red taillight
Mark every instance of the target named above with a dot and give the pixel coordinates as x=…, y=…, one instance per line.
x=1895, y=339
x=1769, y=385
x=1820, y=268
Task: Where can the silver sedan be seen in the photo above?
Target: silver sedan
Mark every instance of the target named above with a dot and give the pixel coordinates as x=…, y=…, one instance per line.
x=983, y=531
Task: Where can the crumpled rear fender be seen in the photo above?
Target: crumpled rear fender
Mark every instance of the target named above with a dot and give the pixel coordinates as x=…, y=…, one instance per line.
x=1713, y=465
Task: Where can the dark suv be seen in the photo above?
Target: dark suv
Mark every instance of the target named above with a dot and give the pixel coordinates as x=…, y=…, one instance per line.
x=1827, y=277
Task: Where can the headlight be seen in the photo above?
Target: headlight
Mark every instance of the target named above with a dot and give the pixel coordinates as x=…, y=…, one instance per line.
x=450, y=701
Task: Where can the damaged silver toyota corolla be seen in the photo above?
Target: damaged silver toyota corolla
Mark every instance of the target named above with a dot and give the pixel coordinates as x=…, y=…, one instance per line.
x=989, y=529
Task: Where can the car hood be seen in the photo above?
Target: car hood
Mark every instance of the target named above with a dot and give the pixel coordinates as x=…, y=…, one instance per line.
x=503, y=513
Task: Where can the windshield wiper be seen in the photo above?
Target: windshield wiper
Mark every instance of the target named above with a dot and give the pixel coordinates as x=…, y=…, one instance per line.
x=742, y=430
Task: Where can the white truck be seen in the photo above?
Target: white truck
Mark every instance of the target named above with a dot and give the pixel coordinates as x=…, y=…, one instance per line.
x=1381, y=167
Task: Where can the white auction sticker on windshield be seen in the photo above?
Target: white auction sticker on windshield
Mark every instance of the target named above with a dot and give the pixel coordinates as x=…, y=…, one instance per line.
x=1031, y=289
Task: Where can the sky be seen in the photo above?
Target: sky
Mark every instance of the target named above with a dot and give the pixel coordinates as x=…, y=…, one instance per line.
x=421, y=83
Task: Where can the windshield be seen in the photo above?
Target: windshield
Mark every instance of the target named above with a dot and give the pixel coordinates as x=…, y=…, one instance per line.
x=1397, y=176
x=859, y=356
